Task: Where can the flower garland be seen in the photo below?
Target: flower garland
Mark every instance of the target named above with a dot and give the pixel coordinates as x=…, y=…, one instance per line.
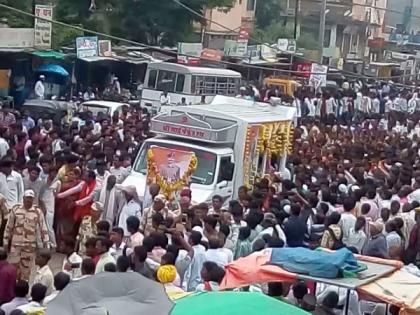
x=168, y=188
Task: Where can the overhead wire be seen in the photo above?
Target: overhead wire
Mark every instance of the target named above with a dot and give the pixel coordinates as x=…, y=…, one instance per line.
x=116, y=38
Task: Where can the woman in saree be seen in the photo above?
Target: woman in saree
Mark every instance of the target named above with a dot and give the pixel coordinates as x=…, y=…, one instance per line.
x=65, y=205
x=83, y=192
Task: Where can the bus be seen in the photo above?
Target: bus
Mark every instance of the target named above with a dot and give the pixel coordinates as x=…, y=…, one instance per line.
x=195, y=84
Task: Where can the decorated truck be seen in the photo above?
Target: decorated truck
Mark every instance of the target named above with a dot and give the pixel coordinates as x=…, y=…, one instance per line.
x=214, y=148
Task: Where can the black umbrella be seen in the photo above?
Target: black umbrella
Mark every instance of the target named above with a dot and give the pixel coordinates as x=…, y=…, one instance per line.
x=112, y=293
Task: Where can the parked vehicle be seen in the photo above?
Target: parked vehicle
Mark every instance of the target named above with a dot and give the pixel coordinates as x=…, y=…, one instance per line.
x=287, y=87
x=191, y=83
x=47, y=109
x=106, y=107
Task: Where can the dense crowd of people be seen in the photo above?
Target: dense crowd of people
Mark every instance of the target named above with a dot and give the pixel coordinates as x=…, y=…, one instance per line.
x=355, y=183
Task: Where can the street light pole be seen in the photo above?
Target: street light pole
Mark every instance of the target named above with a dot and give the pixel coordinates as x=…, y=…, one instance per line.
x=322, y=29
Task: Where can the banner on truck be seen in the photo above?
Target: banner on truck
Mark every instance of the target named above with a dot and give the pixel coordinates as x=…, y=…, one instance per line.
x=87, y=46
x=318, y=76
x=251, y=155
x=169, y=168
x=43, y=28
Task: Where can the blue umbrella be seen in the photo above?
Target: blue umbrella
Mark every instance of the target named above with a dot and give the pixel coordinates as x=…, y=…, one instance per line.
x=53, y=68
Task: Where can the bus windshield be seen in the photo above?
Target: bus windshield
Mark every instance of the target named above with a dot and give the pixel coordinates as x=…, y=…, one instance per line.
x=206, y=162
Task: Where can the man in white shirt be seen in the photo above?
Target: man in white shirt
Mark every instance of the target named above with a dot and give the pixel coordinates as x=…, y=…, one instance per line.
x=4, y=146
x=38, y=293
x=44, y=274
x=61, y=280
x=165, y=99
x=11, y=188
x=331, y=106
x=88, y=95
x=118, y=246
x=310, y=105
x=21, y=291
x=72, y=263
x=215, y=254
x=348, y=220
x=116, y=85
x=39, y=88
x=376, y=105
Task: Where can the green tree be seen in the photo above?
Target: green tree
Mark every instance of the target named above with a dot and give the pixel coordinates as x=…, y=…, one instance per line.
x=15, y=19
x=161, y=22
x=272, y=33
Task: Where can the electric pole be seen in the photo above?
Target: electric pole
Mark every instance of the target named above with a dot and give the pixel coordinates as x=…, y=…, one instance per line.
x=297, y=4
x=322, y=29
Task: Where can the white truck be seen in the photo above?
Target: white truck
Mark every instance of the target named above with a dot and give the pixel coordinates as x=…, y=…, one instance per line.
x=226, y=137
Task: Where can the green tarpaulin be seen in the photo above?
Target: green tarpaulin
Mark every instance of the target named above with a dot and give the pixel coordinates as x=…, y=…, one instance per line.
x=233, y=303
x=49, y=54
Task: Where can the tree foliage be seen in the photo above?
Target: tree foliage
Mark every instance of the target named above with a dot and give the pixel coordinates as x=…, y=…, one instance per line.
x=154, y=22
x=161, y=22
x=15, y=19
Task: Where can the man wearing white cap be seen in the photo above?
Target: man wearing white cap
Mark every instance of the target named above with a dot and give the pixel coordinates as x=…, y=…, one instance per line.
x=40, y=88
x=26, y=231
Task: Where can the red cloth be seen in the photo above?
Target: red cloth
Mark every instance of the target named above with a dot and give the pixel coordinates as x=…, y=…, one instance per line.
x=8, y=274
x=254, y=269
x=82, y=211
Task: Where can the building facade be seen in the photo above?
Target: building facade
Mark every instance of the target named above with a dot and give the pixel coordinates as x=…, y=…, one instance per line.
x=242, y=14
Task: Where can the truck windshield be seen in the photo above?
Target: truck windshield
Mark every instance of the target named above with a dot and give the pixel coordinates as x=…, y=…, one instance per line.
x=206, y=161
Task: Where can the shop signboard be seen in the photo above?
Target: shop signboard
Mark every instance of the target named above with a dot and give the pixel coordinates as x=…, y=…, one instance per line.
x=189, y=53
x=318, y=76
x=234, y=49
x=87, y=47
x=43, y=28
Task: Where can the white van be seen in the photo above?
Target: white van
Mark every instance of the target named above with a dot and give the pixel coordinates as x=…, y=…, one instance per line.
x=191, y=83
x=218, y=135
x=106, y=107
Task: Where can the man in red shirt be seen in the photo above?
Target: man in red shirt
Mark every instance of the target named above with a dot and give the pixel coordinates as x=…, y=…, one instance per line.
x=8, y=274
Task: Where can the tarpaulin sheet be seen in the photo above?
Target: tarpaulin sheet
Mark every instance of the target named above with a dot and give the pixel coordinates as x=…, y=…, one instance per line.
x=255, y=269
x=315, y=263
x=400, y=288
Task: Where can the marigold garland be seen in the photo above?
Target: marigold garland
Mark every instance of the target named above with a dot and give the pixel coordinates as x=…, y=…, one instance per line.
x=168, y=188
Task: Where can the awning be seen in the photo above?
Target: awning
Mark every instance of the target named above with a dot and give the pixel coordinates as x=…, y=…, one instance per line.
x=49, y=54
x=97, y=58
x=52, y=68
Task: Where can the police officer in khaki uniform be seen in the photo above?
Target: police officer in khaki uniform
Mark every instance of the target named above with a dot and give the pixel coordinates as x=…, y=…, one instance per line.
x=26, y=231
x=88, y=228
